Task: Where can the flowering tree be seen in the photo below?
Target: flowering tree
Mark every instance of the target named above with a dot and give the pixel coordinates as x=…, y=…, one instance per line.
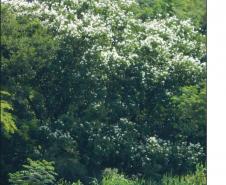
x=107, y=85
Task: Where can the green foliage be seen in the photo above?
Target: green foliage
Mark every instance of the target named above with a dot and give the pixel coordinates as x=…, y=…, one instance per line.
x=77, y=183
x=34, y=173
x=64, y=182
x=94, y=87
x=7, y=120
x=177, y=157
x=189, y=108
x=26, y=47
x=198, y=178
x=195, y=10
x=111, y=177
x=184, y=9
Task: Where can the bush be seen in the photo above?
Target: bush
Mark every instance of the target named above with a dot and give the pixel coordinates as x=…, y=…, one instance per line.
x=112, y=177
x=35, y=173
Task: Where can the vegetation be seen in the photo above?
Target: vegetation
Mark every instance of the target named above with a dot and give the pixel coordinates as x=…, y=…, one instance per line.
x=7, y=120
x=42, y=172
x=184, y=9
x=36, y=173
x=103, y=92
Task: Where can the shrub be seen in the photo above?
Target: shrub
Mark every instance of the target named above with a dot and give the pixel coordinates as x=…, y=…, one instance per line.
x=112, y=177
x=34, y=173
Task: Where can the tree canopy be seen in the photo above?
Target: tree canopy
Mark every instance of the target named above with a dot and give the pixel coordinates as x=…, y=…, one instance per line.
x=96, y=84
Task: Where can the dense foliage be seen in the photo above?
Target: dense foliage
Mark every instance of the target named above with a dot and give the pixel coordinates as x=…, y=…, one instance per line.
x=7, y=120
x=36, y=173
x=42, y=172
x=184, y=9
x=96, y=84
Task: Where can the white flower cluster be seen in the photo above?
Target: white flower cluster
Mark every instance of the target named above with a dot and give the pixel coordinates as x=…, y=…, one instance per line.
x=183, y=150
x=112, y=33
x=122, y=138
x=57, y=133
